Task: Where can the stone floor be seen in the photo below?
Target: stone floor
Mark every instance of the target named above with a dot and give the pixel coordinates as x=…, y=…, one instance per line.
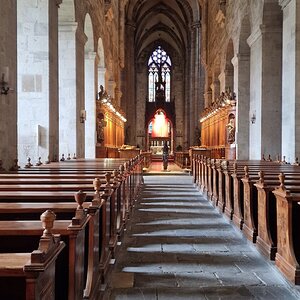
x=178, y=246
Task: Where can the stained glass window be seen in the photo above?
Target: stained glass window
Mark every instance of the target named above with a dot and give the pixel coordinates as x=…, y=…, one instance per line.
x=159, y=76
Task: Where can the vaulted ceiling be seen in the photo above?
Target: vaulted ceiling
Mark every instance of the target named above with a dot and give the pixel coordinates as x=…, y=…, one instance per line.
x=166, y=20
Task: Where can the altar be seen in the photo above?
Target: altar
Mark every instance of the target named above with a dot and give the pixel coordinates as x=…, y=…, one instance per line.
x=157, y=150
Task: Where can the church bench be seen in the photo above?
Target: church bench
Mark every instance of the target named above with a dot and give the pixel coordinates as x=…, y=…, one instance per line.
x=250, y=200
x=114, y=203
x=237, y=174
x=78, y=262
x=218, y=182
x=288, y=242
x=267, y=227
x=30, y=276
x=111, y=192
x=104, y=225
x=131, y=171
x=210, y=179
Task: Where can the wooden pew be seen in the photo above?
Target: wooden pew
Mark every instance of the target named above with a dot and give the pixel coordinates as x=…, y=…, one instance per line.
x=107, y=219
x=267, y=227
x=99, y=229
x=114, y=210
x=30, y=276
x=250, y=194
x=288, y=244
x=76, y=265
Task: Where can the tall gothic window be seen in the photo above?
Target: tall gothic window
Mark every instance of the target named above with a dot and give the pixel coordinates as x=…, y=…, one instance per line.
x=159, y=76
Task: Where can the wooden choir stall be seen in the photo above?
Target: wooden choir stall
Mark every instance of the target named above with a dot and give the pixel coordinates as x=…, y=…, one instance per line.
x=218, y=127
x=110, y=124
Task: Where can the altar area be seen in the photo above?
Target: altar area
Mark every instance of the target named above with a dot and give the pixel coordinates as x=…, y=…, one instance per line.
x=156, y=150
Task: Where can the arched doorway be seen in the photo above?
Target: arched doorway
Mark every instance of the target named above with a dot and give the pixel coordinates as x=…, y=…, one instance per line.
x=160, y=130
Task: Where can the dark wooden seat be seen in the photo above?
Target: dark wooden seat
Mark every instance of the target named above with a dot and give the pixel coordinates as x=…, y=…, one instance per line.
x=110, y=201
x=30, y=276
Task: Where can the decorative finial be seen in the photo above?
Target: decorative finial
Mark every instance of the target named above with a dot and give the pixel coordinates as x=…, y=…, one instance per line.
x=261, y=175
x=296, y=163
x=281, y=177
x=80, y=197
x=29, y=164
x=246, y=169
x=47, y=219
x=97, y=185
x=39, y=162
x=234, y=167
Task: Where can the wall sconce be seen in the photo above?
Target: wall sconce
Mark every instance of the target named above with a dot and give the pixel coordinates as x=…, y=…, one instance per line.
x=253, y=118
x=82, y=116
x=4, y=81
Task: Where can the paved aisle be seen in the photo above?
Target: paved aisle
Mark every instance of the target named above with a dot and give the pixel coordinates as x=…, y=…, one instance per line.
x=178, y=246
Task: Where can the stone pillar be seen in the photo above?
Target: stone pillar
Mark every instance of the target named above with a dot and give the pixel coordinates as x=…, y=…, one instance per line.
x=142, y=79
x=81, y=39
x=34, y=47
x=8, y=61
x=222, y=83
x=111, y=85
x=291, y=79
x=90, y=105
x=272, y=90
x=197, y=88
x=67, y=87
x=208, y=96
x=241, y=64
x=101, y=76
x=191, y=108
x=265, y=91
x=255, y=43
x=130, y=87
x=53, y=80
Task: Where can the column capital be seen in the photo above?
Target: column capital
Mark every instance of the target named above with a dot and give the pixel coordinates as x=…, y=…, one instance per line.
x=81, y=37
x=254, y=36
x=196, y=25
x=284, y=3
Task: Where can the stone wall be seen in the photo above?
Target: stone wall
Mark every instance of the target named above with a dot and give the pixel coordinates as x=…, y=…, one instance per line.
x=253, y=69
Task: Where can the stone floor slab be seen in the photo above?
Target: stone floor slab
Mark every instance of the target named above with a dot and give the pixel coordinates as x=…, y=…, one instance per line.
x=178, y=246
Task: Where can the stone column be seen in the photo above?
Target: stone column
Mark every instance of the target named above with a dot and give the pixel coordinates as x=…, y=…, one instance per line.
x=241, y=64
x=34, y=47
x=191, y=80
x=101, y=76
x=197, y=95
x=8, y=61
x=53, y=79
x=208, y=96
x=265, y=91
x=130, y=87
x=81, y=39
x=90, y=105
x=67, y=87
x=291, y=79
x=140, y=108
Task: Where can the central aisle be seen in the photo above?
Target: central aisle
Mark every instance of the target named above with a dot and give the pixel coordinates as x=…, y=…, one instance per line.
x=177, y=246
